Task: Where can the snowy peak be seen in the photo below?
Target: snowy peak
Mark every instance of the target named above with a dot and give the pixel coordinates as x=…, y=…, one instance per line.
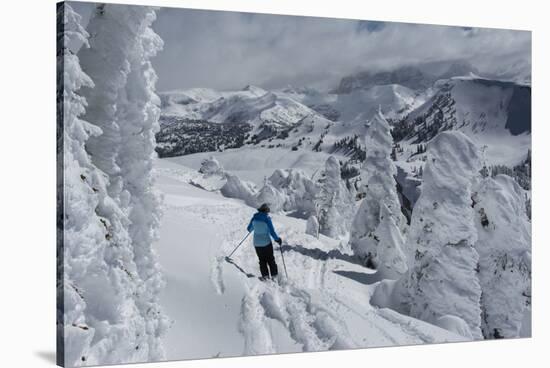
x=446, y=70
x=189, y=96
x=409, y=77
x=254, y=90
x=251, y=105
x=495, y=114
x=480, y=106
x=303, y=90
x=417, y=77
x=200, y=120
x=361, y=104
x=237, y=107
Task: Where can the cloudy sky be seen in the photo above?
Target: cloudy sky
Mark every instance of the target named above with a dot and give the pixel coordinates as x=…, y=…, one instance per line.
x=227, y=50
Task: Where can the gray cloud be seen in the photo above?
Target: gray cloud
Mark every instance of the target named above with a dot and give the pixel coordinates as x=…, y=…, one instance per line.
x=228, y=50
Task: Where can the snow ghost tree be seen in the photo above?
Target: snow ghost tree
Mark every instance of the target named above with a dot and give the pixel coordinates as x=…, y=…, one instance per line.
x=442, y=278
x=138, y=113
x=376, y=232
x=504, y=247
x=297, y=190
x=234, y=187
x=111, y=297
x=335, y=204
x=80, y=230
x=288, y=190
x=270, y=195
x=312, y=226
x=211, y=166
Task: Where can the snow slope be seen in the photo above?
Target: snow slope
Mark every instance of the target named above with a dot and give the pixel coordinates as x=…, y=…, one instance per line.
x=495, y=115
x=256, y=163
x=395, y=100
x=217, y=310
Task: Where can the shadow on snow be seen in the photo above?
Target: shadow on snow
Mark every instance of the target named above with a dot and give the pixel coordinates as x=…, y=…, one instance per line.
x=320, y=254
x=361, y=277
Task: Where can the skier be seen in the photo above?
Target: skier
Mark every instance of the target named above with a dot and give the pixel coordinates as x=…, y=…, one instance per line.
x=263, y=232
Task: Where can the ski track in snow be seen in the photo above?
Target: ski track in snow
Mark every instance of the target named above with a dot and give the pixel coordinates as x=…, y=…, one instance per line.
x=315, y=309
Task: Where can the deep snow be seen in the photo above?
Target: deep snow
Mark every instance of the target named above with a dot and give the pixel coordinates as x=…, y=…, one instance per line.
x=255, y=163
x=218, y=311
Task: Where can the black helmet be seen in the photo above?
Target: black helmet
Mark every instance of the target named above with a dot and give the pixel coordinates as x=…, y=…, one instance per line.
x=264, y=208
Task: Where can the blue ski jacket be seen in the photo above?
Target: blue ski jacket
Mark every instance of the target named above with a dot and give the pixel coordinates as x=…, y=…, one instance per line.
x=263, y=228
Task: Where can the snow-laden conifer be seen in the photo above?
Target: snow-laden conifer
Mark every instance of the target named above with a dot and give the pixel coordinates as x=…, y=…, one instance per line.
x=211, y=166
x=81, y=232
x=335, y=204
x=312, y=226
x=137, y=116
x=504, y=247
x=442, y=279
x=123, y=281
x=377, y=229
x=234, y=187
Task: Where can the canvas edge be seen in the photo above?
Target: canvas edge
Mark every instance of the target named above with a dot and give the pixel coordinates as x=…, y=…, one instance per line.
x=60, y=302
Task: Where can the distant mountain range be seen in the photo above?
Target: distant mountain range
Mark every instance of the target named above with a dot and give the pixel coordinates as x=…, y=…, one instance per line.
x=417, y=78
x=419, y=101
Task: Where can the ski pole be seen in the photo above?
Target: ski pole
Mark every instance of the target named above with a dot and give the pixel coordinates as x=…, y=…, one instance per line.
x=242, y=241
x=283, y=257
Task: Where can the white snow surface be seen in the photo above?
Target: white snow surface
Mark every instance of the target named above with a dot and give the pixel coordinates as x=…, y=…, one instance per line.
x=255, y=164
x=218, y=311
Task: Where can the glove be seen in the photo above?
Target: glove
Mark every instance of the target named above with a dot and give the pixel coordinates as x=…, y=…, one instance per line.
x=279, y=241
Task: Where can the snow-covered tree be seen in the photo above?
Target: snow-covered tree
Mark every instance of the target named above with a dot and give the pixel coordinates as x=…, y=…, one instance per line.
x=297, y=190
x=81, y=234
x=137, y=115
x=270, y=195
x=312, y=226
x=377, y=229
x=211, y=166
x=335, y=204
x=442, y=278
x=234, y=187
x=120, y=278
x=504, y=247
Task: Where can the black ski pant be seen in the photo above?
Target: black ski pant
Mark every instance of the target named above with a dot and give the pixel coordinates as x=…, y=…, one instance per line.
x=266, y=258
